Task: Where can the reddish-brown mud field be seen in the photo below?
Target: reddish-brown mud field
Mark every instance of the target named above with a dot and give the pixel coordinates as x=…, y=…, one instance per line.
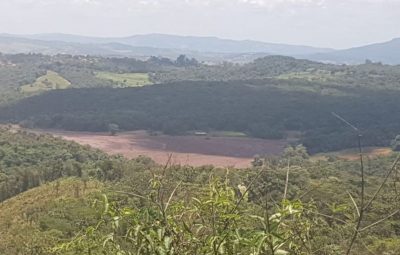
x=185, y=150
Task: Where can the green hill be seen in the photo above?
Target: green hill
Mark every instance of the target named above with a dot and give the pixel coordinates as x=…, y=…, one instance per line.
x=50, y=81
x=37, y=220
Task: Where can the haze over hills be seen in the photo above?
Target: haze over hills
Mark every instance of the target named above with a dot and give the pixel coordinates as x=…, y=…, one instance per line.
x=386, y=52
x=11, y=44
x=210, y=49
x=190, y=43
x=203, y=48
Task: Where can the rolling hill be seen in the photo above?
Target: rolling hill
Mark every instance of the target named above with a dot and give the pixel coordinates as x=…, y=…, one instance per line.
x=386, y=52
x=190, y=43
x=16, y=44
x=210, y=49
x=202, y=48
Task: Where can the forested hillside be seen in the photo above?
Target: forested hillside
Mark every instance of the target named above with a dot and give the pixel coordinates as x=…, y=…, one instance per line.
x=260, y=108
x=28, y=160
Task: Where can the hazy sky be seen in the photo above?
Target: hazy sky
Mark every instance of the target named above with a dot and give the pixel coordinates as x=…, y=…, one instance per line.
x=327, y=23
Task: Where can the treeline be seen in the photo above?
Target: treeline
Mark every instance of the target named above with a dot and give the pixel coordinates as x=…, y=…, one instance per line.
x=23, y=69
x=260, y=108
x=368, y=75
x=29, y=160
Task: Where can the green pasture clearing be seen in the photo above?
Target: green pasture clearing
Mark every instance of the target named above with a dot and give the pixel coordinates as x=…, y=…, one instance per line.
x=126, y=79
x=50, y=81
x=312, y=75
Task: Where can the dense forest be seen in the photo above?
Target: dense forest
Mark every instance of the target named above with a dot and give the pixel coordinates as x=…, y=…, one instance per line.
x=28, y=160
x=260, y=108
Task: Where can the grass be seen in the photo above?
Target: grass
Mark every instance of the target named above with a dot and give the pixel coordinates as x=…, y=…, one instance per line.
x=124, y=80
x=312, y=75
x=50, y=81
x=352, y=154
x=320, y=76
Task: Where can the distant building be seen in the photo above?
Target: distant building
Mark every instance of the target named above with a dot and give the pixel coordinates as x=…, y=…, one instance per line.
x=200, y=133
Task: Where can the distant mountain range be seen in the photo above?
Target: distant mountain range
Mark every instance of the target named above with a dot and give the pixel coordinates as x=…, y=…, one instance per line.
x=387, y=52
x=211, y=49
x=188, y=43
x=203, y=48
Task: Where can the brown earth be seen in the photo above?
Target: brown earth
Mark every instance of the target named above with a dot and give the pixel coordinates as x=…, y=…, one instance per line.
x=372, y=152
x=185, y=150
x=353, y=154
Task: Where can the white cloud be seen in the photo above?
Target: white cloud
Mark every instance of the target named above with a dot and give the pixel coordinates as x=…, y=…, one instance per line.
x=273, y=3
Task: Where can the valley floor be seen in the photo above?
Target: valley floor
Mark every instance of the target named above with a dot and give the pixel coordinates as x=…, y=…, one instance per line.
x=185, y=150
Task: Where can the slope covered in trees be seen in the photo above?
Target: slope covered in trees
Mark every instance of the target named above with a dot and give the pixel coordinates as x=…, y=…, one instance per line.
x=28, y=160
x=260, y=108
x=36, y=220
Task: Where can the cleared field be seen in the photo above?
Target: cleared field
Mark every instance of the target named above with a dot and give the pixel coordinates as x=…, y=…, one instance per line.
x=227, y=134
x=126, y=79
x=51, y=80
x=352, y=154
x=312, y=75
x=185, y=150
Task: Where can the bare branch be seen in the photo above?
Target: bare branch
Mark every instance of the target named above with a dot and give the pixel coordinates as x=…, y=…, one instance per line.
x=354, y=203
x=346, y=122
x=287, y=180
x=384, y=182
x=380, y=221
x=131, y=194
x=361, y=211
x=171, y=196
x=328, y=216
x=362, y=196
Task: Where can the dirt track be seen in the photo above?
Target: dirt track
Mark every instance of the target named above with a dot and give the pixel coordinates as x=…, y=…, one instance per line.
x=185, y=150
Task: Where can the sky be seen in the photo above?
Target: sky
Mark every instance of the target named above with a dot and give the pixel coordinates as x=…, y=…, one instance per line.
x=323, y=23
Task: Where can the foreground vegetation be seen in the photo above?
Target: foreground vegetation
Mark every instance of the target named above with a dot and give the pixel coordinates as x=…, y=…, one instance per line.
x=36, y=220
x=110, y=205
